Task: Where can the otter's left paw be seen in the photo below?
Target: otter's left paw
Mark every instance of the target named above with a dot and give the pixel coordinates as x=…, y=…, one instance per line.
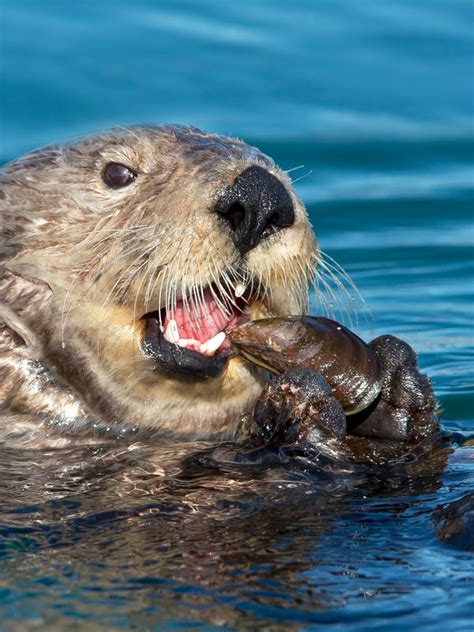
x=406, y=408
x=297, y=407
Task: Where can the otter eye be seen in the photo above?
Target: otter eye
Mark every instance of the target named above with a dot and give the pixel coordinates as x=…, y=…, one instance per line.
x=117, y=176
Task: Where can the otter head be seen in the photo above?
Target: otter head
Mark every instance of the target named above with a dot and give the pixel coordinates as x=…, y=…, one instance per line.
x=131, y=253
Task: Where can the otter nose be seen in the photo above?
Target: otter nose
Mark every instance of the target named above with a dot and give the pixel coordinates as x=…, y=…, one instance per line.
x=255, y=206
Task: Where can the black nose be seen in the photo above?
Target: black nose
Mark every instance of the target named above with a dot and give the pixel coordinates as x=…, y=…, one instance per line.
x=255, y=206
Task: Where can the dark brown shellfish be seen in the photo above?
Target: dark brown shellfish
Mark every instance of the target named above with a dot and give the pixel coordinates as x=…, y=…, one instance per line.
x=349, y=366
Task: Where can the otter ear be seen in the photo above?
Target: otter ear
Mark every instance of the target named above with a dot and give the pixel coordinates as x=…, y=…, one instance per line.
x=14, y=333
x=18, y=293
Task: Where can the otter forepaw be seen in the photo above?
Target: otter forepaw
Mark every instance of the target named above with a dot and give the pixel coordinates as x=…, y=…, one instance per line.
x=406, y=408
x=298, y=407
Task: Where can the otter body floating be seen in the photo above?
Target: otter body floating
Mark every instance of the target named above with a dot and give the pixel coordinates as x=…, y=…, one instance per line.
x=348, y=364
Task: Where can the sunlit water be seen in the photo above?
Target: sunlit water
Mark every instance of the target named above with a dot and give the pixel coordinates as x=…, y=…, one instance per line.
x=372, y=101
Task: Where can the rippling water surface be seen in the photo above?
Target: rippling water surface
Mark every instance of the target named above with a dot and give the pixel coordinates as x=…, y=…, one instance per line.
x=371, y=104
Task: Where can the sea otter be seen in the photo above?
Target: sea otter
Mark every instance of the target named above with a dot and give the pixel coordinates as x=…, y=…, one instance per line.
x=125, y=258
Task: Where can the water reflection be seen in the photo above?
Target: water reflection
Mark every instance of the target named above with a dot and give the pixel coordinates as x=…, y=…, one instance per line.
x=145, y=535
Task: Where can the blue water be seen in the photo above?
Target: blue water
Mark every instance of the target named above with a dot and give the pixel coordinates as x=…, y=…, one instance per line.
x=373, y=102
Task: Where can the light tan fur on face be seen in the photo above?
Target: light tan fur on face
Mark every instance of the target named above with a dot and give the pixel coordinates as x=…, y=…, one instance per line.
x=81, y=263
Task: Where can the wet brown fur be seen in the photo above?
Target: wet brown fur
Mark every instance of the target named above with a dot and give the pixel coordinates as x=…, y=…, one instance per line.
x=80, y=264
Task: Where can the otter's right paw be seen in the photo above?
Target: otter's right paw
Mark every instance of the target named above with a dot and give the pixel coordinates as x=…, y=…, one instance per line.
x=298, y=407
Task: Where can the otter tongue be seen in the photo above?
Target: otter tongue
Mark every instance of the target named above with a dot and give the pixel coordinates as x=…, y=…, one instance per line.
x=200, y=323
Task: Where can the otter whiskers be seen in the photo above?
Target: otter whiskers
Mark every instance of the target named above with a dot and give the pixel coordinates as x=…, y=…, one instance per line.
x=338, y=294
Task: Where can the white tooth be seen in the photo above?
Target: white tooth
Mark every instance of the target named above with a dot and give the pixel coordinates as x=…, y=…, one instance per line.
x=212, y=345
x=239, y=290
x=171, y=332
x=189, y=342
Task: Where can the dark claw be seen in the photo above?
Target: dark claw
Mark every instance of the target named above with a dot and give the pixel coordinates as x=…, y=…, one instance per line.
x=296, y=407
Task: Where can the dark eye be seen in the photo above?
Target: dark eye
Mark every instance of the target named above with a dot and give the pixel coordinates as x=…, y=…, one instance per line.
x=117, y=176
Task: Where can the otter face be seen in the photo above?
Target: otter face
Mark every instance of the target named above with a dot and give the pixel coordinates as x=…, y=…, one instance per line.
x=130, y=254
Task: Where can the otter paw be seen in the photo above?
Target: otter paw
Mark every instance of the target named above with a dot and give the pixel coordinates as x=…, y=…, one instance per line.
x=406, y=408
x=297, y=407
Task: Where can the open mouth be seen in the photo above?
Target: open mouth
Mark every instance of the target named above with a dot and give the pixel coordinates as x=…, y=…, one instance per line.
x=190, y=342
